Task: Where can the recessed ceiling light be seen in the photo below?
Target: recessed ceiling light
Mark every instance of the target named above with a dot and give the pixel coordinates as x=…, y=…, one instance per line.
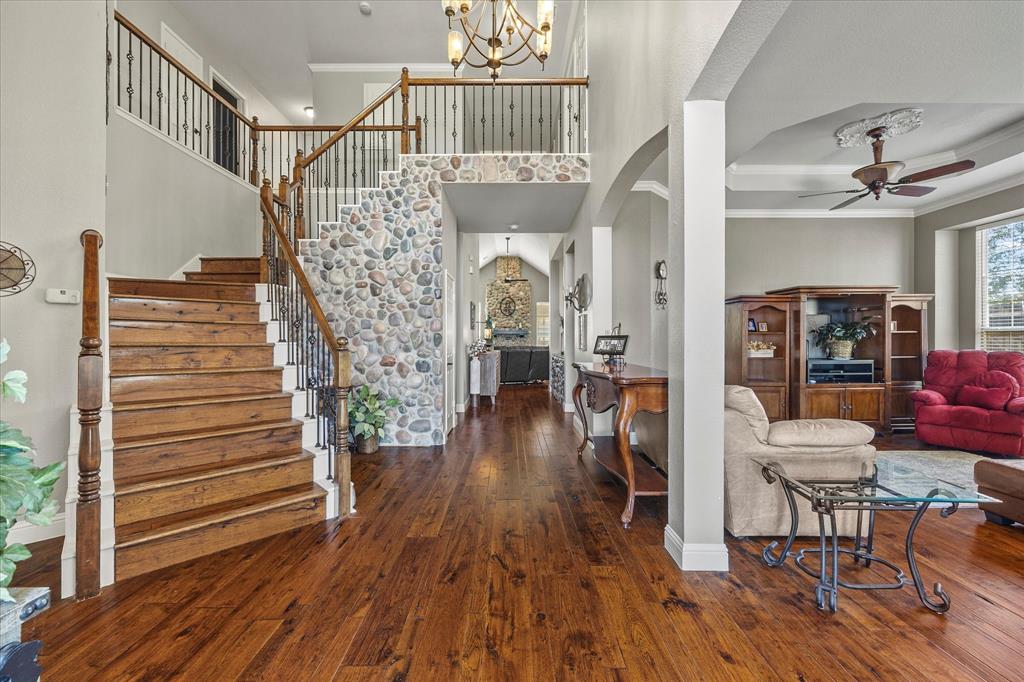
x=309, y=112
x=365, y=9
x=513, y=227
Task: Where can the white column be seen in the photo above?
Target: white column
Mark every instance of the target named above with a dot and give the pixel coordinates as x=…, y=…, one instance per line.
x=694, y=535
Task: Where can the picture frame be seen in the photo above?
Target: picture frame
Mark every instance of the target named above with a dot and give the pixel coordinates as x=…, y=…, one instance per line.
x=762, y=326
x=751, y=325
x=611, y=344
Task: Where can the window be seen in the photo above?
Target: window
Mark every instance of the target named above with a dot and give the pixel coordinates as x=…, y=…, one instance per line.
x=543, y=328
x=1000, y=252
x=225, y=129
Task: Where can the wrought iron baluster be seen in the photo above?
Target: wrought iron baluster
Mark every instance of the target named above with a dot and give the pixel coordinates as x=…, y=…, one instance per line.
x=502, y=128
x=159, y=93
x=540, y=120
x=150, y=87
x=119, y=27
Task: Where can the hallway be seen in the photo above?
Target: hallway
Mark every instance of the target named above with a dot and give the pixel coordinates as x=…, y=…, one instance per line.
x=500, y=557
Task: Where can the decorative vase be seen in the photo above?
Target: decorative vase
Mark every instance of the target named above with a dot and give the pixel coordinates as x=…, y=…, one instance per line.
x=367, y=446
x=840, y=349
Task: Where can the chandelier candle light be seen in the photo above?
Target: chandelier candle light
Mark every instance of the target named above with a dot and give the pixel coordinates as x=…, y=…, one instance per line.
x=506, y=20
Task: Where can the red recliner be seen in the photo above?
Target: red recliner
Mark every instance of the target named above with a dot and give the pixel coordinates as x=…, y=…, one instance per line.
x=972, y=400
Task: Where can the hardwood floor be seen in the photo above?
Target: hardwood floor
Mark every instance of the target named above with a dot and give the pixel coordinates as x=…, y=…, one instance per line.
x=501, y=557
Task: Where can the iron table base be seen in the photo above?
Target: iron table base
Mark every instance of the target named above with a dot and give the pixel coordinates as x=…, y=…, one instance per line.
x=826, y=591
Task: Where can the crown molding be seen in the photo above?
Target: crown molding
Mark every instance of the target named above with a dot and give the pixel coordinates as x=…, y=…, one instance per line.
x=652, y=186
x=818, y=213
x=374, y=68
x=1006, y=183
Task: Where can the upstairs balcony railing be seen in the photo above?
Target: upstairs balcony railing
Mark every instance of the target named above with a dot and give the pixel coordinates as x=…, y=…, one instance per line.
x=332, y=162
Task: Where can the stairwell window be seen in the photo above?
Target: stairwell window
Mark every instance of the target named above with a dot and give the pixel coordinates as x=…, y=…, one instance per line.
x=1000, y=268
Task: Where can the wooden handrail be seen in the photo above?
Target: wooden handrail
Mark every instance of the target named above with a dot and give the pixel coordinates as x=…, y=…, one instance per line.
x=285, y=245
x=90, y=402
x=501, y=82
x=132, y=28
x=380, y=127
x=344, y=130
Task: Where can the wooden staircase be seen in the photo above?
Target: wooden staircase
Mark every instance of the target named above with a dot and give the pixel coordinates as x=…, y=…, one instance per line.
x=207, y=453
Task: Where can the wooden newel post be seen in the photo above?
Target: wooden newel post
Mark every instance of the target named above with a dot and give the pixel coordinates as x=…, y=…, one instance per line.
x=254, y=137
x=300, y=196
x=90, y=402
x=282, y=188
x=342, y=456
x=405, y=109
x=419, y=134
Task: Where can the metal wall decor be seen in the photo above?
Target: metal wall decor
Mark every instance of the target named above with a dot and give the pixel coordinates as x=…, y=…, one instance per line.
x=660, y=274
x=579, y=297
x=17, y=269
x=508, y=306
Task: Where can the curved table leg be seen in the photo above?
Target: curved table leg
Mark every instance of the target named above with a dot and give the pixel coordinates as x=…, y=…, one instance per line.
x=623, y=421
x=577, y=400
x=937, y=606
x=794, y=524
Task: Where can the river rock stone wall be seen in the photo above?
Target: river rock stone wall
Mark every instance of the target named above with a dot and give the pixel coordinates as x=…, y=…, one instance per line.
x=518, y=315
x=378, y=276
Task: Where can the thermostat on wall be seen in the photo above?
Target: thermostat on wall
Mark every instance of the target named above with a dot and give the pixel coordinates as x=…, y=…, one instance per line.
x=68, y=296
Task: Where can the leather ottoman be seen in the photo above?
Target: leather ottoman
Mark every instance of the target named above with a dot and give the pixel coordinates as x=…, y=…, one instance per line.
x=1003, y=480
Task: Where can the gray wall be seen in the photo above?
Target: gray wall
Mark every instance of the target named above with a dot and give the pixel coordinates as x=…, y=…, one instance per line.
x=165, y=205
x=639, y=238
x=765, y=254
x=47, y=204
x=468, y=290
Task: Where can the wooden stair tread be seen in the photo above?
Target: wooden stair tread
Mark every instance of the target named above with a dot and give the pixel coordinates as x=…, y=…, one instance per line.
x=173, y=281
x=210, y=400
x=210, y=370
x=236, y=258
x=189, y=344
x=145, y=297
x=181, y=436
x=196, y=519
x=220, y=272
x=120, y=320
x=156, y=480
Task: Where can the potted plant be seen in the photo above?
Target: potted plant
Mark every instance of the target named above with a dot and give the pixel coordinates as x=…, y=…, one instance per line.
x=24, y=488
x=838, y=339
x=366, y=417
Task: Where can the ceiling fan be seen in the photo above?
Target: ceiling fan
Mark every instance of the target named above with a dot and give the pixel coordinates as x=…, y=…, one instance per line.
x=507, y=278
x=876, y=177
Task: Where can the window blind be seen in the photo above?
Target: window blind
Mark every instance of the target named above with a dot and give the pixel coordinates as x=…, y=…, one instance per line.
x=1000, y=287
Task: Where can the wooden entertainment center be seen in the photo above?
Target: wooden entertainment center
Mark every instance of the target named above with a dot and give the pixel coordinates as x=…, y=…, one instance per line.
x=797, y=381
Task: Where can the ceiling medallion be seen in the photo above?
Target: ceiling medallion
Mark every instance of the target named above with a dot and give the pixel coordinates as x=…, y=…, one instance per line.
x=17, y=269
x=894, y=122
x=506, y=33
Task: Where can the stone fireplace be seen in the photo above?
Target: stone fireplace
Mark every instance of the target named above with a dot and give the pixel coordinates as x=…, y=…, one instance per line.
x=510, y=304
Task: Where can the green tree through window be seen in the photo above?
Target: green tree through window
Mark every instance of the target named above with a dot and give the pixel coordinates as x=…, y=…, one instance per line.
x=1001, y=287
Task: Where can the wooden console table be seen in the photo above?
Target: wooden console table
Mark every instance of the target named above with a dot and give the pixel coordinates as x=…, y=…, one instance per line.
x=633, y=389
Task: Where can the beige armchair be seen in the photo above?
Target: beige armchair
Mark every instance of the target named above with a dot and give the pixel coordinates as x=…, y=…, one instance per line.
x=809, y=448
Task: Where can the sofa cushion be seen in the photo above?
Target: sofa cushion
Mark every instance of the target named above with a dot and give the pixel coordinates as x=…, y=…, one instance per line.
x=995, y=378
x=742, y=400
x=948, y=370
x=1015, y=406
x=986, y=398
x=971, y=418
x=830, y=433
x=928, y=397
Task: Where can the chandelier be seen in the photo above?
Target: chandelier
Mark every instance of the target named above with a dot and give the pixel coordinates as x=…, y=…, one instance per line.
x=506, y=41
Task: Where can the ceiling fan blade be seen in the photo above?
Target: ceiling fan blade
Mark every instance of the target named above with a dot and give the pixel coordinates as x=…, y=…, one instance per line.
x=937, y=172
x=821, y=194
x=911, y=190
x=849, y=201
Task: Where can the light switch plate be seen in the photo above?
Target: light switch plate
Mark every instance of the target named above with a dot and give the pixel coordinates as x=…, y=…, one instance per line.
x=66, y=296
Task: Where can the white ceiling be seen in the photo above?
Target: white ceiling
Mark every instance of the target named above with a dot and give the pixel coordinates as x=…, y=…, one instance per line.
x=277, y=41
x=829, y=63
x=535, y=207
x=532, y=248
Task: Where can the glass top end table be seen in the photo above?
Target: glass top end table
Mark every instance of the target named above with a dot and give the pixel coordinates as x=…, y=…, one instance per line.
x=889, y=486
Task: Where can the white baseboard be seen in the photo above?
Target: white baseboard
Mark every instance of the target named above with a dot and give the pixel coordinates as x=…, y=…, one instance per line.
x=460, y=408
x=693, y=556
x=568, y=406
x=26, y=533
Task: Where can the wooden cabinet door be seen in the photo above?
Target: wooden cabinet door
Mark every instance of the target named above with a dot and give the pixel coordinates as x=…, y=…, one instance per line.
x=866, y=404
x=900, y=404
x=823, y=403
x=773, y=398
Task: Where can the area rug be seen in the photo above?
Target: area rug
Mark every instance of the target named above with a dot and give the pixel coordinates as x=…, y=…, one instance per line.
x=951, y=466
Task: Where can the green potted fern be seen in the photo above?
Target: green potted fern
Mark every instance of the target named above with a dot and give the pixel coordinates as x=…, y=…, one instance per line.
x=366, y=417
x=25, y=489
x=839, y=339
